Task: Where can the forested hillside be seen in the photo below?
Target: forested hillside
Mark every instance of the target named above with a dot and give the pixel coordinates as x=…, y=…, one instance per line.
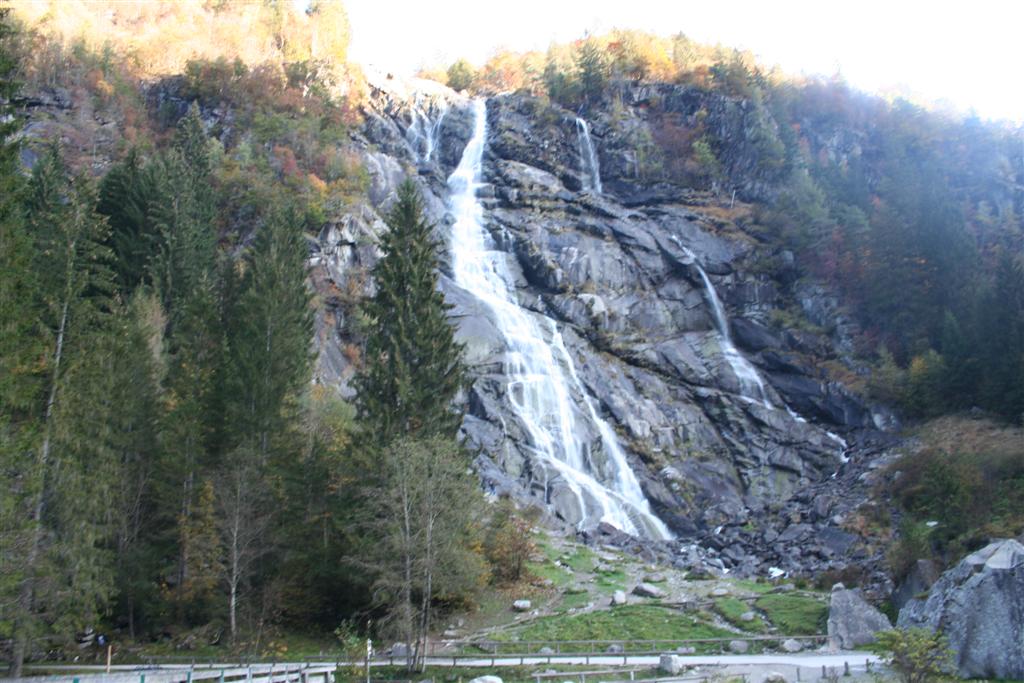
x=246, y=391
x=167, y=462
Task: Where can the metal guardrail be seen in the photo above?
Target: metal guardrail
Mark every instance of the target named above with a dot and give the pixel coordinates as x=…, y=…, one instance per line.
x=256, y=673
x=456, y=650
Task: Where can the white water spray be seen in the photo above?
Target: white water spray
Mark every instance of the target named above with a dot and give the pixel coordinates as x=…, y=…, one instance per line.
x=588, y=158
x=543, y=388
x=424, y=131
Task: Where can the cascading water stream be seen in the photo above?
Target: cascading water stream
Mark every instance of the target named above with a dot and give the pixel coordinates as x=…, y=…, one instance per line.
x=424, y=132
x=751, y=384
x=745, y=372
x=588, y=158
x=543, y=388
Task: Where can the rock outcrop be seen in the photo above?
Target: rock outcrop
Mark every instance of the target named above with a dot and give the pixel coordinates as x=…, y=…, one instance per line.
x=922, y=576
x=852, y=622
x=979, y=606
x=630, y=278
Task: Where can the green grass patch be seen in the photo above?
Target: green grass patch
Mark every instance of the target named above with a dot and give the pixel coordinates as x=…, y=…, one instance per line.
x=733, y=609
x=753, y=586
x=575, y=599
x=582, y=559
x=547, y=570
x=611, y=581
x=794, y=614
x=628, y=622
x=547, y=548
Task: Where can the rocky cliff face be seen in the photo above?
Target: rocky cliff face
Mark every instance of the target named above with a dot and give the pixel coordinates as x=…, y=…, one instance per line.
x=630, y=279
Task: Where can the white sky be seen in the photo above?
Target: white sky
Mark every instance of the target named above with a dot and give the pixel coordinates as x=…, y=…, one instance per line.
x=968, y=53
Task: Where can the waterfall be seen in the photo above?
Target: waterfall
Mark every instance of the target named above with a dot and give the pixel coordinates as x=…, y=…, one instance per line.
x=751, y=384
x=588, y=158
x=543, y=388
x=423, y=132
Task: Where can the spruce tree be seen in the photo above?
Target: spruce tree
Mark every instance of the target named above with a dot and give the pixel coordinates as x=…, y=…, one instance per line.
x=187, y=243
x=270, y=342
x=134, y=377
x=61, y=459
x=413, y=367
x=19, y=332
x=195, y=352
x=269, y=323
x=127, y=196
x=21, y=345
x=592, y=67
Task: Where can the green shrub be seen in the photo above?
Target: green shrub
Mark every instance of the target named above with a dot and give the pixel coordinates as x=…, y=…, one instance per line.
x=916, y=655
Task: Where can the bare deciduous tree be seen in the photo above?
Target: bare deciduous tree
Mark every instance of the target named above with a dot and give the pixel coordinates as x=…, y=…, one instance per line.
x=423, y=519
x=243, y=518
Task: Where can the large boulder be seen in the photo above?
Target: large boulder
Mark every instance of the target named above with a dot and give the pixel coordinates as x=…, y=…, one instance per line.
x=670, y=664
x=647, y=590
x=792, y=645
x=979, y=606
x=852, y=622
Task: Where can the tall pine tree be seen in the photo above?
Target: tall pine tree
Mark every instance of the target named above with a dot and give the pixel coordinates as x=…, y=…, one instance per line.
x=414, y=367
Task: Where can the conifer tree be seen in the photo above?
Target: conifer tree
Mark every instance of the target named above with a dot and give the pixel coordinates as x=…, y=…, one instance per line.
x=18, y=278
x=593, y=69
x=134, y=378
x=73, y=305
x=195, y=351
x=21, y=345
x=270, y=343
x=187, y=243
x=127, y=196
x=413, y=368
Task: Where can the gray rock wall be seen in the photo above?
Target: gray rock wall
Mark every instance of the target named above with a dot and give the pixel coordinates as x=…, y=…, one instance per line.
x=613, y=271
x=979, y=606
